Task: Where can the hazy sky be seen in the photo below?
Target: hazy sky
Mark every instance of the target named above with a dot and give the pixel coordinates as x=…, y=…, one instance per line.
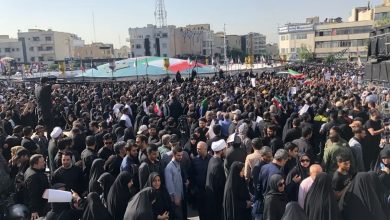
x=114, y=17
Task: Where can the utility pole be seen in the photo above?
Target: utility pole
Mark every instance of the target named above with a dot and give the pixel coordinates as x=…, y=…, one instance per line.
x=224, y=46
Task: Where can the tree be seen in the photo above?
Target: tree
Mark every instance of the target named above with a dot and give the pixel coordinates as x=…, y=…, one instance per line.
x=330, y=59
x=305, y=54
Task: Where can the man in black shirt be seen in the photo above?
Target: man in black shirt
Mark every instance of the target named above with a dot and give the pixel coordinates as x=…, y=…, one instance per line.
x=69, y=174
x=341, y=178
x=43, y=95
x=88, y=156
x=106, y=151
x=36, y=183
x=27, y=142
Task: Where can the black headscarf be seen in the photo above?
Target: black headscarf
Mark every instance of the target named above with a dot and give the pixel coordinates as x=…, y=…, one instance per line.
x=140, y=205
x=95, y=209
x=274, y=200
x=97, y=169
x=294, y=212
x=299, y=170
x=235, y=195
x=119, y=195
x=162, y=197
x=106, y=180
x=364, y=198
x=320, y=203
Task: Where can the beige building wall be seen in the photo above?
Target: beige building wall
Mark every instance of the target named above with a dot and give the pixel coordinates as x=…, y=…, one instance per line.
x=95, y=51
x=355, y=43
x=233, y=42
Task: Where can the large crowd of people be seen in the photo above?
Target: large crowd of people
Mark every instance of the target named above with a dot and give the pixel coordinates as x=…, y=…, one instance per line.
x=233, y=147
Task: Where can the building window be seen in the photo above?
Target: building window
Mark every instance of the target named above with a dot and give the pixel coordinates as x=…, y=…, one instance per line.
x=164, y=35
x=164, y=45
x=138, y=46
x=40, y=59
x=17, y=49
x=13, y=49
x=132, y=46
x=19, y=59
x=7, y=50
x=31, y=49
x=165, y=55
x=292, y=50
x=49, y=48
x=32, y=59
x=35, y=38
x=40, y=48
x=48, y=38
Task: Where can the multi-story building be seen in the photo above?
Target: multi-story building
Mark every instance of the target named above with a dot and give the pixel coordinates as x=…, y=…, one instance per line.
x=255, y=44
x=350, y=39
x=330, y=37
x=152, y=41
x=169, y=41
x=194, y=40
x=11, y=47
x=294, y=37
x=95, y=51
x=48, y=46
x=122, y=52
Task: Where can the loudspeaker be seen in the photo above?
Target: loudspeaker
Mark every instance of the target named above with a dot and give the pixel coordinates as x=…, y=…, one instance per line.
x=383, y=74
x=373, y=47
x=382, y=46
x=368, y=72
x=376, y=71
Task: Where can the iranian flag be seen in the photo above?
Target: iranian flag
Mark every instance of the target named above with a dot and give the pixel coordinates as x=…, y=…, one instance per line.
x=157, y=109
x=308, y=82
x=295, y=74
x=277, y=102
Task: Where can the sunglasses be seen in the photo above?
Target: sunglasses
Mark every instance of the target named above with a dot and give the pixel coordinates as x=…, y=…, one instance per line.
x=281, y=184
x=305, y=161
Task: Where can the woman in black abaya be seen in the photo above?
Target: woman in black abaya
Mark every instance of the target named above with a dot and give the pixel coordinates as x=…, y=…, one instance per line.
x=275, y=199
x=302, y=170
x=294, y=212
x=97, y=169
x=236, y=198
x=95, y=209
x=364, y=198
x=119, y=195
x=320, y=203
x=161, y=207
x=140, y=206
x=105, y=180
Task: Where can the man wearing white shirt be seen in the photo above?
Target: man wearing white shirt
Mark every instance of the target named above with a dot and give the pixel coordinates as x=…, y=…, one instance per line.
x=126, y=118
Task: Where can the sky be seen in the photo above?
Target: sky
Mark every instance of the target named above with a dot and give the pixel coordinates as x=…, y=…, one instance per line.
x=113, y=18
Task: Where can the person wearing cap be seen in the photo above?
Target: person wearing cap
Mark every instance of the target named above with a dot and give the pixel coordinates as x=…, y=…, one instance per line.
x=143, y=129
x=215, y=180
x=234, y=152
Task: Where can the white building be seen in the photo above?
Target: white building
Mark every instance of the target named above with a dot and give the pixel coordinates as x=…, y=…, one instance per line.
x=11, y=47
x=152, y=41
x=48, y=46
x=255, y=44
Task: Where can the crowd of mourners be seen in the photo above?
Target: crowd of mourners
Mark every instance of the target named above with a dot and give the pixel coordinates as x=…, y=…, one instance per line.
x=233, y=147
